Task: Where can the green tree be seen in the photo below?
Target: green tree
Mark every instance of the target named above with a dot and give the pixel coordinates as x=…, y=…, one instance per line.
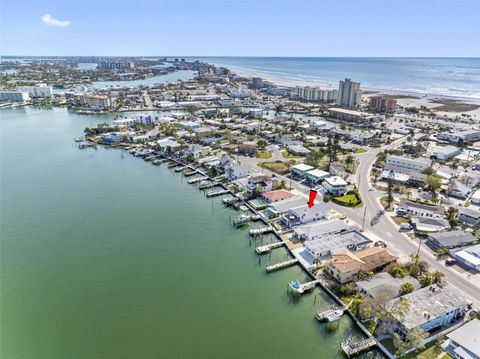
x=262, y=144
x=398, y=271
x=406, y=288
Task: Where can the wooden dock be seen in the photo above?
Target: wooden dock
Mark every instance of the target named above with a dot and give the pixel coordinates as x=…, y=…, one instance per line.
x=215, y=193
x=207, y=185
x=196, y=180
x=352, y=346
x=281, y=265
x=260, y=230
x=267, y=248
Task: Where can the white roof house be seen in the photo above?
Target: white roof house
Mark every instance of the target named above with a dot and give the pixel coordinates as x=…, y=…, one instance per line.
x=335, y=185
x=430, y=308
x=316, y=175
x=324, y=246
x=469, y=256
x=464, y=342
x=303, y=214
x=475, y=198
x=301, y=169
x=284, y=205
x=416, y=164
x=320, y=229
x=444, y=153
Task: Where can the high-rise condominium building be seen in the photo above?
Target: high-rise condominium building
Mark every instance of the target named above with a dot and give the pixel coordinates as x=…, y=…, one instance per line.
x=349, y=93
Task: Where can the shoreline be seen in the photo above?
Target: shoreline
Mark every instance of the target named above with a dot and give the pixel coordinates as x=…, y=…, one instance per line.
x=285, y=81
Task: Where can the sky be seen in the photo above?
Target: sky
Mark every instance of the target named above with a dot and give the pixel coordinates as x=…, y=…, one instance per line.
x=370, y=28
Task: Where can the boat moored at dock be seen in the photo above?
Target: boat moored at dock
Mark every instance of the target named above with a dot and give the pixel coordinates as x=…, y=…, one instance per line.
x=330, y=314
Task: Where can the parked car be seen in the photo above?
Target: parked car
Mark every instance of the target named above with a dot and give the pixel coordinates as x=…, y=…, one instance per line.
x=380, y=244
x=406, y=226
x=450, y=262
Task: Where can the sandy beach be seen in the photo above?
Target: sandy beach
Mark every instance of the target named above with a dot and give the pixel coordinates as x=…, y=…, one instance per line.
x=441, y=105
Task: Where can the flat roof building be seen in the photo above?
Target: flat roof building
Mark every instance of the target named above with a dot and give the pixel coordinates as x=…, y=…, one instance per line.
x=429, y=308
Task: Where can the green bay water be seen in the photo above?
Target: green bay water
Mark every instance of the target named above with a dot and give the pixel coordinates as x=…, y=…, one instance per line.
x=104, y=255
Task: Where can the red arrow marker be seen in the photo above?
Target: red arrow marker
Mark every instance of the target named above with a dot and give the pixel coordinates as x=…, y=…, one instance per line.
x=313, y=194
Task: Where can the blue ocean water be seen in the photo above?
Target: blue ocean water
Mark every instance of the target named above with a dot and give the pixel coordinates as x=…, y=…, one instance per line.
x=447, y=77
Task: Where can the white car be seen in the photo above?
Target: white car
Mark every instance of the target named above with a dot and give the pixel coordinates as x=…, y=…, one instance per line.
x=406, y=226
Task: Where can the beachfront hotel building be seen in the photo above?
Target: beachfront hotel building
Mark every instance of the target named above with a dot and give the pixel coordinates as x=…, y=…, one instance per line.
x=14, y=96
x=308, y=93
x=349, y=93
x=383, y=104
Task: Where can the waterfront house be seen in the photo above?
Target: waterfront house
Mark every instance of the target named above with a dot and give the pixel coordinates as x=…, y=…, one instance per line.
x=324, y=246
x=319, y=229
x=277, y=195
x=258, y=183
x=384, y=286
x=316, y=176
x=344, y=265
x=469, y=216
x=450, y=239
x=303, y=214
x=194, y=150
x=411, y=209
x=469, y=256
x=283, y=206
x=464, y=342
x=335, y=185
x=301, y=170
x=113, y=137
x=225, y=163
x=237, y=171
x=429, y=309
x=166, y=143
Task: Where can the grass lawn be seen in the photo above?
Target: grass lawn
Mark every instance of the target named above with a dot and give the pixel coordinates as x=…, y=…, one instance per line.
x=384, y=202
x=277, y=167
x=350, y=199
x=431, y=351
x=400, y=220
x=360, y=150
x=286, y=154
x=264, y=155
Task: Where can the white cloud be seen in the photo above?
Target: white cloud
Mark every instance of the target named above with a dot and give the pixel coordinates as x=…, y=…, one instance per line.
x=49, y=20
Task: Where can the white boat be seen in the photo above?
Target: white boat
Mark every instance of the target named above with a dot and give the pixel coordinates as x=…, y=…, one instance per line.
x=296, y=286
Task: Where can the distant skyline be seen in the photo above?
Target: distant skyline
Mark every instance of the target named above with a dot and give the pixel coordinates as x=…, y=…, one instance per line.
x=287, y=28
